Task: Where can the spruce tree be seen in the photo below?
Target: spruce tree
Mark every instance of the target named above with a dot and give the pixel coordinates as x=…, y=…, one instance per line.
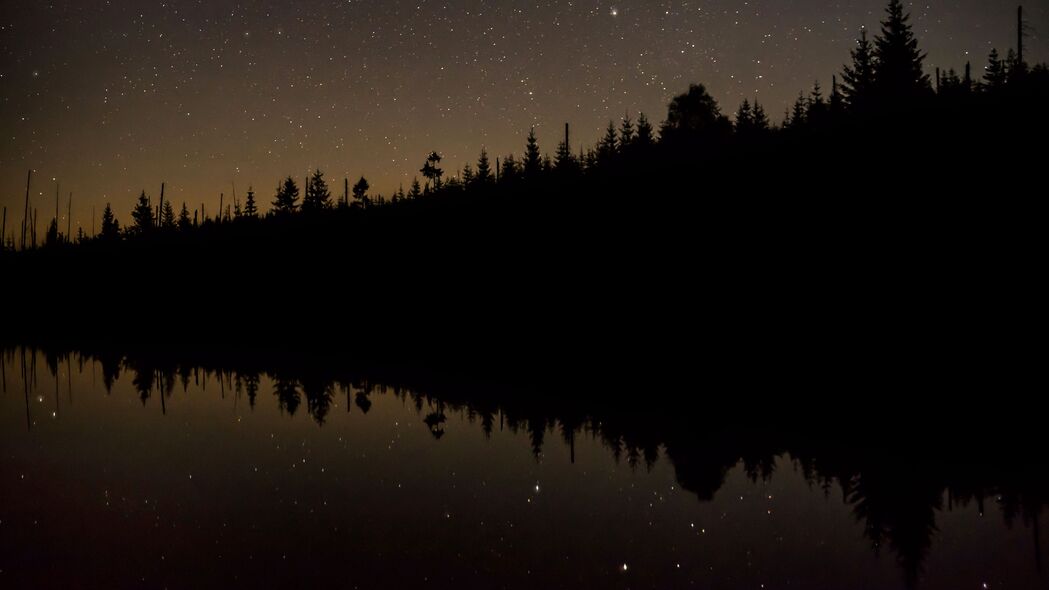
x=563, y=159
x=468, y=175
x=533, y=160
x=484, y=168
x=994, y=74
x=626, y=133
x=761, y=120
x=898, y=73
x=318, y=197
x=416, y=190
x=167, y=216
x=858, y=79
x=360, y=193
x=510, y=169
x=431, y=171
x=142, y=215
x=286, y=200
x=796, y=116
x=184, y=222
x=110, y=225
x=606, y=150
x=251, y=211
x=645, y=134
x=744, y=118
x=1016, y=69
x=817, y=108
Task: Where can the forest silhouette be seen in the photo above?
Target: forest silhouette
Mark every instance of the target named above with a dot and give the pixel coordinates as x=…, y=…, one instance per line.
x=897, y=484
x=894, y=204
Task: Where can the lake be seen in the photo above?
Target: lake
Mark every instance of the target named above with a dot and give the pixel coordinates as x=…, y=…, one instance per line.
x=119, y=472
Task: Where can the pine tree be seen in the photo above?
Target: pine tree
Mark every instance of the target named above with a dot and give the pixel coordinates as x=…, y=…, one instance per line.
x=416, y=190
x=110, y=225
x=694, y=114
x=1016, y=69
x=184, y=222
x=286, y=201
x=761, y=120
x=626, y=133
x=468, y=175
x=646, y=137
x=533, y=160
x=744, y=118
x=360, y=193
x=509, y=170
x=563, y=159
x=796, y=116
x=898, y=73
x=484, y=169
x=251, y=211
x=607, y=148
x=51, y=238
x=142, y=215
x=167, y=216
x=318, y=197
x=817, y=108
x=858, y=79
x=431, y=171
x=994, y=74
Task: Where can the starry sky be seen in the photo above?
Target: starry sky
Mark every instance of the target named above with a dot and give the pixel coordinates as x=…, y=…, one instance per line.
x=110, y=97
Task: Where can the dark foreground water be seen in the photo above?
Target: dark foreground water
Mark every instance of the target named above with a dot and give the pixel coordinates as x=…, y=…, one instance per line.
x=114, y=475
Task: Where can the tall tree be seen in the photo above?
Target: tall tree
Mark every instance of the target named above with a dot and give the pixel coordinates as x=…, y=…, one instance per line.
x=184, y=222
x=509, y=169
x=142, y=215
x=796, y=116
x=251, y=211
x=287, y=198
x=626, y=133
x=898, y=72
x=110, y=225
x=694, y=114
x=533, y=160
x=484, y=169
x=51, y=238
x=994, y=75
x=858, y=79
x=431, y=170
x=761, y=120
x=1016, y=68
x=564, y=161
x=646, y=136
x=360, y=192
x=167, y=216
x=744, y=118
x=608, y=146
x=817, y=108
x=318, y=197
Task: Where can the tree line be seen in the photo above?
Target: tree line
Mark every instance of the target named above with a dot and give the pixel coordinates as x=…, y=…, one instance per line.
x=884, y=79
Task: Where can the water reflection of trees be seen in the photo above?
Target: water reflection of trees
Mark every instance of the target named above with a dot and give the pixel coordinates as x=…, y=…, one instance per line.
x=895, y=488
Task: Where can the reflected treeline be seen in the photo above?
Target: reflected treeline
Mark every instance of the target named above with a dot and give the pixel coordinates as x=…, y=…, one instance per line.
x=897, y=469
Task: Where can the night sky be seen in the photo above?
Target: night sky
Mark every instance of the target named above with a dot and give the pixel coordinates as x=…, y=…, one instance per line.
x=110, y=97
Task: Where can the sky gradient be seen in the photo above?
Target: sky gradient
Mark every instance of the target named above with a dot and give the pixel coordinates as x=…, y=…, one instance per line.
x=112, y=97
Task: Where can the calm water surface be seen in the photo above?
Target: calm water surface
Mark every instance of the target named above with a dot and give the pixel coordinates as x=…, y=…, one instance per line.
x=116, y=479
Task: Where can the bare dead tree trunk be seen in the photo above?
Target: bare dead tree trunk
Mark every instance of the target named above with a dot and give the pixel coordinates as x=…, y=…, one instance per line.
x=25, y=216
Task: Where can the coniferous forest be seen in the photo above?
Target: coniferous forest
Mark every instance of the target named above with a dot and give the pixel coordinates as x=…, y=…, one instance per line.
x=885, y=204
